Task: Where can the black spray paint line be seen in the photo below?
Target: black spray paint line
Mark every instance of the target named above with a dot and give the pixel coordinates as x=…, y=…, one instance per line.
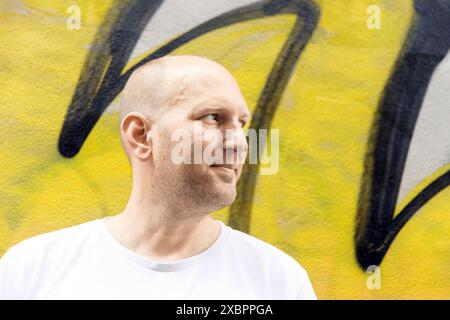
x=101, y=80
x=307, y=19
x=110, y=51
x=94, y=94
x=427, y=44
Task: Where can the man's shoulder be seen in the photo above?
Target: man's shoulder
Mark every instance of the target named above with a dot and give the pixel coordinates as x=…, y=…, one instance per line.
x=256, y=248
x=49, y=242
x=31, y=262
x=289, y=280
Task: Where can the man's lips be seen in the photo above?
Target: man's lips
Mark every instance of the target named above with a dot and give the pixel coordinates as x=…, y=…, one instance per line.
x=227, y=167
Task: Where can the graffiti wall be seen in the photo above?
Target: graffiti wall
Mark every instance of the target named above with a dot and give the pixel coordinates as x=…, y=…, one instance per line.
x=359, y=90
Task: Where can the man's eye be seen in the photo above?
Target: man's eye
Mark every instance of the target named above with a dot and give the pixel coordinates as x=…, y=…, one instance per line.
x=212, y=116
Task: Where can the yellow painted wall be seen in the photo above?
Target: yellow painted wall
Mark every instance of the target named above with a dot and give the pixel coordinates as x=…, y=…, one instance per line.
x=308, y=209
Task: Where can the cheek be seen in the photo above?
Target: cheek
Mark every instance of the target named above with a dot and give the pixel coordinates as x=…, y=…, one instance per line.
x=162, y=148
x=212, y=144
x=211, y=137
x=193, y=139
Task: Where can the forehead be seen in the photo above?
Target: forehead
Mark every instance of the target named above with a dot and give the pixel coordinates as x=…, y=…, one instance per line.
x=205, y=87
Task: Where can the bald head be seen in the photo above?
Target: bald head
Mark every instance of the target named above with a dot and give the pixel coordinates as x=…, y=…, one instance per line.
x=171, y=89
x=161, y=83
x=164, y=103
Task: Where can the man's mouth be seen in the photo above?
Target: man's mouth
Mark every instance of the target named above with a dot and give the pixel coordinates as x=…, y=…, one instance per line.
x=225, y=167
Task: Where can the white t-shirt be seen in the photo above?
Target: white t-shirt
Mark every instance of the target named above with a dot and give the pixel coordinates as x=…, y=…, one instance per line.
x=86, y=262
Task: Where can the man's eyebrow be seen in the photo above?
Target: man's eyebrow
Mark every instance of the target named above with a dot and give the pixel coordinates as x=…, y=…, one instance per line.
x=207, y=107
x=218, y=105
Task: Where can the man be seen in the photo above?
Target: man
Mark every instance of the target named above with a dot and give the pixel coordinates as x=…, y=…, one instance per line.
x=164, y=245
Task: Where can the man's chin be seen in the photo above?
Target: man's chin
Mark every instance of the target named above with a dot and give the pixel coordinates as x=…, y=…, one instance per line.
x=222, y=197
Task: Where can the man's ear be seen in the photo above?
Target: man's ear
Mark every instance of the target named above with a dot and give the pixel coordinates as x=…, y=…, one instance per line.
x=136, y=131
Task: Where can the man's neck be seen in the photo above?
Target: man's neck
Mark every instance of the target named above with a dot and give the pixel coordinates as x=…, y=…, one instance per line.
x=162, y=235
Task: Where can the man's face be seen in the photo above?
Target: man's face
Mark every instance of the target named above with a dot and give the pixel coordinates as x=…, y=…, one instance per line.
x=205, y=117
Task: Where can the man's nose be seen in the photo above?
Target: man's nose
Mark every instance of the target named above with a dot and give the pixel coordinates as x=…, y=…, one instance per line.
x=236, y=142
